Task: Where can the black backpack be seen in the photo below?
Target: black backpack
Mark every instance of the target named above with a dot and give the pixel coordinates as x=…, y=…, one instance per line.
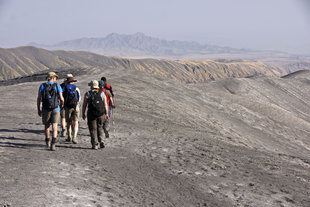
x=49, y=97
x=96, y=104
x=71, y=96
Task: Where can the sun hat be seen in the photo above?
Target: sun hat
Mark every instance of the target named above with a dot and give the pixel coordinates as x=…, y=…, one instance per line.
x=51, y=75
x=68, y=76
x=70, y=79
x=94, y=84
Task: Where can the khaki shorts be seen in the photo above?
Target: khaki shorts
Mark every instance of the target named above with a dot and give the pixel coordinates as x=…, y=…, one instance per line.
x=72, y=114
x=62, y=113
x=50, y=117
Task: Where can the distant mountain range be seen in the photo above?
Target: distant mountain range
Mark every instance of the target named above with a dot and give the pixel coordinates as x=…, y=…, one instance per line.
x=139, y=45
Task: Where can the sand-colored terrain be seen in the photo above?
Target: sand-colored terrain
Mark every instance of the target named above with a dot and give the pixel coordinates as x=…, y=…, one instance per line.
x=233, y=142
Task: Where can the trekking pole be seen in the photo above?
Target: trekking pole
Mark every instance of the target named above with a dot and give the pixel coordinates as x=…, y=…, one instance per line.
x=113, y=116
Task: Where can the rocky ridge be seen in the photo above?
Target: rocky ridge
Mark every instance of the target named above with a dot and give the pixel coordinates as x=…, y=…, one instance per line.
x=23, y=61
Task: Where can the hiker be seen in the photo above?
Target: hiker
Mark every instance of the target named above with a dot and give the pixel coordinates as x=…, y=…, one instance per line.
x=49, y=93
x=107, y=86
x=96, y=113
x=71, y=96
x=111, y=105
x=62, y=111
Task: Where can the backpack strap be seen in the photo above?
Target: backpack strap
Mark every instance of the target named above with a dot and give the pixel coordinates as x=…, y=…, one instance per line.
x=47, y=85
x=74, y=87
x=91, y=95
x=55, y=85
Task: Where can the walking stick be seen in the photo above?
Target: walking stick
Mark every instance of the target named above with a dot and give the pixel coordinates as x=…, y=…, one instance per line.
x=113, y=115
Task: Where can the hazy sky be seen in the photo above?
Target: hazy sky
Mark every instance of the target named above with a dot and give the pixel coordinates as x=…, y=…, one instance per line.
x=257, y=24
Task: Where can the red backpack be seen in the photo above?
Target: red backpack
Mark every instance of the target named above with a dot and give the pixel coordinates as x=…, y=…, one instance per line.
x=106, y=95
x=109, y=87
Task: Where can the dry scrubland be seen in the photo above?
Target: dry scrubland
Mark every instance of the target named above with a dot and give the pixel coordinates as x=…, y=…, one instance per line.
x=232, y=142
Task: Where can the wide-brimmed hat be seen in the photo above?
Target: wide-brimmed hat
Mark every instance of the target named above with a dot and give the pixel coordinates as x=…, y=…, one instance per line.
x=68, y=76
x=70, y=79
x=51, y=75
x=94, y=84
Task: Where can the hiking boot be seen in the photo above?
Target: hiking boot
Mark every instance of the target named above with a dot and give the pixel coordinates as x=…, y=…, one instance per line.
x=69, y=139
x=63, y=133
x=102, y=145
x=74, y=140
x=48, y=143
x=53, y=144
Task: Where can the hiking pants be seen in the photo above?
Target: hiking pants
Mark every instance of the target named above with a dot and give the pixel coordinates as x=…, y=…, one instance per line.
x=95, y=126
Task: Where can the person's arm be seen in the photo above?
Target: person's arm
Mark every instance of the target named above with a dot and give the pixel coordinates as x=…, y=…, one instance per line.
x=39, y=103
x=62, y=100
x=84, y=107
x=60, y=91
x=79, y=95
x=105, y=106
x=110, y=98
x=111, y=91
x=112, y=102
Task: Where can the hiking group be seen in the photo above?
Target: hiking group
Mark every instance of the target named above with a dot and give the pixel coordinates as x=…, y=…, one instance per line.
x=62, y=101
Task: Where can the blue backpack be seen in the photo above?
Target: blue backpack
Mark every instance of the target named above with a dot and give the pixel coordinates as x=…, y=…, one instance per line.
x=49, y=97
x=71, y=96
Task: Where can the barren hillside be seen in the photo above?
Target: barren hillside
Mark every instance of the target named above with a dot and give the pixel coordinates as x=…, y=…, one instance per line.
x=233, y=142
x=23, y=61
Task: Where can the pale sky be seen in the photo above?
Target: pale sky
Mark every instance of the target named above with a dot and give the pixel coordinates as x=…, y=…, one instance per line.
x=255, y=24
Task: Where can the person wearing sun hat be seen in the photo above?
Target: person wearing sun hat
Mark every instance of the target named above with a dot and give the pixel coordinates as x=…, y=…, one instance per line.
x=50, y=112
x=97, y=107
x=71, y=95
x=62, y=110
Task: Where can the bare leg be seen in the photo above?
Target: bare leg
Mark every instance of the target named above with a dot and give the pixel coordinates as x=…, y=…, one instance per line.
x=47, y=135
x=76, y=128
x=63, y=123
x=63, y=127
x=69, y=129
x=47, y=130
x=54, y=126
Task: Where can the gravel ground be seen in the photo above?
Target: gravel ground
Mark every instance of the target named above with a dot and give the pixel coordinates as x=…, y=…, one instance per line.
x=234, y=142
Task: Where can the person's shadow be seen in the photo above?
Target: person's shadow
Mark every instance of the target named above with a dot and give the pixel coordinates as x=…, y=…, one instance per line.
x=34, y=131
x=13, y=142
x=19, y=145
x=19, y=142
